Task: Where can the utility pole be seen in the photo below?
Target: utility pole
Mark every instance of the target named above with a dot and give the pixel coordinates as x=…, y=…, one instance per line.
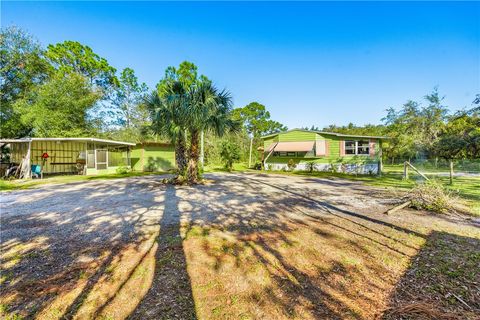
x=250, y=154
x=201, y=149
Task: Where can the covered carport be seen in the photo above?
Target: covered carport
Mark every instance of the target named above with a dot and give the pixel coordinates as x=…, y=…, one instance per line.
x=31, y=157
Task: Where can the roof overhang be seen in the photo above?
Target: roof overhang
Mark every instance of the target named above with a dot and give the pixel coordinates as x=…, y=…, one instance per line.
x=105, y=141
x=327, y=133
x=301, y=146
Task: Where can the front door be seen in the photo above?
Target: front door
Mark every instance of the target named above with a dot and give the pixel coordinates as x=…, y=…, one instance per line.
x=101, y=159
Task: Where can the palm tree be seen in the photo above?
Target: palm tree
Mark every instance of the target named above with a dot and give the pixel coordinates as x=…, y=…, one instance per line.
x=208, y=110
x=169, y=119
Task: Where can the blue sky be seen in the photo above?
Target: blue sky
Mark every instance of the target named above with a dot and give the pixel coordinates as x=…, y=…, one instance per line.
x=310, y=63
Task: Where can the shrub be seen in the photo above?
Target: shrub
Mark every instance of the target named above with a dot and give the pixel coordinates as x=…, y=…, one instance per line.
x=291, y=165
x=432, y=196
x=333, y=167
x=310, y=166
x=230, y=152
x=123, y=170
x=257, y=166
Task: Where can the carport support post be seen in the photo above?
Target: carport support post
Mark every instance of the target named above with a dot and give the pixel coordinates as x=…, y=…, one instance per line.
x=28, y=174
x=95, y=155
x=86, y=159
x=380, y=160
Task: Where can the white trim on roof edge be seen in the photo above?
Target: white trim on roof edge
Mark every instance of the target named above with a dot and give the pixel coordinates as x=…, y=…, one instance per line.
x=324, y=132
x=68, y=139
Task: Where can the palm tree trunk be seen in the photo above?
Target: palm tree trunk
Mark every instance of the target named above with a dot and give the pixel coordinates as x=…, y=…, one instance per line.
x=193, y=158
x=180, y=156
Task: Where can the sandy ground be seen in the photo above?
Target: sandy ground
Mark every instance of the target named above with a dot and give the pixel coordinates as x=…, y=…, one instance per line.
x=57, y=227
x=115, y=210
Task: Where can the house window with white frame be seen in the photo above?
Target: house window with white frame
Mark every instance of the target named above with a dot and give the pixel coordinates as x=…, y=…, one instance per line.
x=361, y=147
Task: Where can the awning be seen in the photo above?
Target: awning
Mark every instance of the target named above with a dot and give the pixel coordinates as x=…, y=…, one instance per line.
x=302, y=146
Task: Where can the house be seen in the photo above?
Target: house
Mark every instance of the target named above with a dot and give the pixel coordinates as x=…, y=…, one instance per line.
x=322, y=151
x=153, y=156
x=86, y=156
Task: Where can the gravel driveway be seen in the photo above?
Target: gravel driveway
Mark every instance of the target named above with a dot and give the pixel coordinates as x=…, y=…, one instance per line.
x=50, y=232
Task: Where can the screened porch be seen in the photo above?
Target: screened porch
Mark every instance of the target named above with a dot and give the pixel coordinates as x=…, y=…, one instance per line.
x=84, y=156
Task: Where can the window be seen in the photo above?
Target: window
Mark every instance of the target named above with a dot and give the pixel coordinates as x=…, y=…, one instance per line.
x=350, y=147
x=361, y=147
x=291, y=154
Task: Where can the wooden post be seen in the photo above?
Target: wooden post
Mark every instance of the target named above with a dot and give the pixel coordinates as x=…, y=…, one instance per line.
x=250, y=153
x=405, y=171
x=265, y=161
x=28, y=172
x=451, y=171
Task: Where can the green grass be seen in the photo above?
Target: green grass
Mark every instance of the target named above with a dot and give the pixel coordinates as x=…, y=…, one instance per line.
x=221, y=168
x=468, y=188
x=9, y=185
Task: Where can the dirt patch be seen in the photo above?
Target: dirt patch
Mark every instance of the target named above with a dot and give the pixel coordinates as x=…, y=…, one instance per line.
x=240, y=247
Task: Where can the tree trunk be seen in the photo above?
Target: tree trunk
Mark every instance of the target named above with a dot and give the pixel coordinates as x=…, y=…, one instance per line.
x=180, y=155
x=193, y=157
x=451, y=171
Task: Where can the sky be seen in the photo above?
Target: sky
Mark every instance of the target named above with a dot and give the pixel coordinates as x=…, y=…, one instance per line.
x=309, y=63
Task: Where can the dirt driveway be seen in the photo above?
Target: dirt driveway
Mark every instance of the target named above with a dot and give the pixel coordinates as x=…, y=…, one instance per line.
x=242, y=246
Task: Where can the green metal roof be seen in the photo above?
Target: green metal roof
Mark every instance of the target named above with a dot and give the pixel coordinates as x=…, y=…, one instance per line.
x=326, y=133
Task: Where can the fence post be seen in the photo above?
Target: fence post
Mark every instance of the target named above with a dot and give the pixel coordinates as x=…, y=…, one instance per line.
x=405, y=171
x=451, y=171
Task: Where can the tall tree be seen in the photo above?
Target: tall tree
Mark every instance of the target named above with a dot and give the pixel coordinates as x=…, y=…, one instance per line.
x=22, y=67
x=74, y=57
x=59, y=107
x=434, y=117
x=256, y=120
x=169, y=119
x=186, y=74
x=129, y=113
x=208, y=110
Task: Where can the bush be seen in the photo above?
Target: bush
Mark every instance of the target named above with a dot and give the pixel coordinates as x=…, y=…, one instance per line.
x=432, y=196
x=291, y=165
x=257, y=166
x=123, y=170
x=333, y=167
x=230, y=153
x=310, y=166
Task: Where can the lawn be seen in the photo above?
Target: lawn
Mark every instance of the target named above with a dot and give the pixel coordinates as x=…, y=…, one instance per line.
x=467, y=187
x=242, y=246
x=8, y=185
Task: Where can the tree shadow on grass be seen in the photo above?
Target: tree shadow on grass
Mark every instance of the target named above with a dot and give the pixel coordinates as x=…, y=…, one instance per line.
x=442, y=282
x=170, y=295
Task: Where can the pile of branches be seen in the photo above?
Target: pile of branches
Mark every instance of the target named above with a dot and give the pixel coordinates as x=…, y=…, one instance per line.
x=431, y=196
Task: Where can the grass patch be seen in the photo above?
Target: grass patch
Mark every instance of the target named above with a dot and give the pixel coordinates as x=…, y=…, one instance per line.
x=240, y=167
x=9, y=185
x=468, y=188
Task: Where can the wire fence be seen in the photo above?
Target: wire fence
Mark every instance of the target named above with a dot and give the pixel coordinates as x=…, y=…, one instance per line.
x=440, y=165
